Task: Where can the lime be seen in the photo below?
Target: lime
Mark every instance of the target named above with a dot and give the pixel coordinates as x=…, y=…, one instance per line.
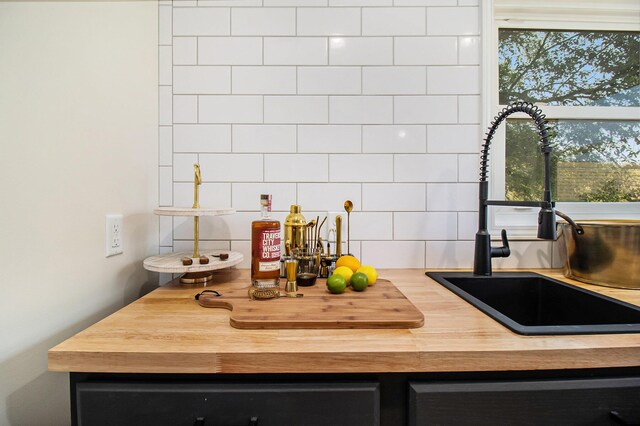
x=345, y=272
x=359, y=281
x=370, y=272
x=336, y=283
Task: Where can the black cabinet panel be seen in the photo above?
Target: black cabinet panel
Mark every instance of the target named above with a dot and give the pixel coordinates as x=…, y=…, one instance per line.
x=228, y=404
x=535, y=402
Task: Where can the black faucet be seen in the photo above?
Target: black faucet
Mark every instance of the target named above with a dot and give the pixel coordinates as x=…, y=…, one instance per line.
x=547, y=216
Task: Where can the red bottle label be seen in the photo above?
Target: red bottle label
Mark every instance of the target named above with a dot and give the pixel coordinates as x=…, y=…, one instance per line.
x=269, y=245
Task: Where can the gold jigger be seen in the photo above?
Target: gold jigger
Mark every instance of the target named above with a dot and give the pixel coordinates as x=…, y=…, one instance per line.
x=291, y=268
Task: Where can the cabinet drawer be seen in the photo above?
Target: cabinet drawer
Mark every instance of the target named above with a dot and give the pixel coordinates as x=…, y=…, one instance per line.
x=541, y=402
x=228, y=404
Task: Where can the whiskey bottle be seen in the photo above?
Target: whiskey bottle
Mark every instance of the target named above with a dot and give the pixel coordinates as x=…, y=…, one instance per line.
x=265, y=246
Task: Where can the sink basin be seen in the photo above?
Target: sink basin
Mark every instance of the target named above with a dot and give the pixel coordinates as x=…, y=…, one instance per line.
x=531, y=304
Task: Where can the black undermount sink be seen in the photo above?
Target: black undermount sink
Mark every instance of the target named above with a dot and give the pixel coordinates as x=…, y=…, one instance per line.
x=531, y=304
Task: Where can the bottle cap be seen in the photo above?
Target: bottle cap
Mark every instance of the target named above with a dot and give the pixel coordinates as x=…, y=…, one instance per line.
x=265, y=200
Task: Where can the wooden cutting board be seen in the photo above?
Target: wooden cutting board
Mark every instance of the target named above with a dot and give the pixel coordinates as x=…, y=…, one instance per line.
x=382, y=305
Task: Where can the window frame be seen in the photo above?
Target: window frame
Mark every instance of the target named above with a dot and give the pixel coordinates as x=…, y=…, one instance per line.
x=547, y=15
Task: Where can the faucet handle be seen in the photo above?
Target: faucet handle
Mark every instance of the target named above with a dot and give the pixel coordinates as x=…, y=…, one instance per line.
x=503, y=251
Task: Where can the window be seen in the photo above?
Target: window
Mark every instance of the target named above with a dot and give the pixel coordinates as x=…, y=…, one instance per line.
x=580, y=63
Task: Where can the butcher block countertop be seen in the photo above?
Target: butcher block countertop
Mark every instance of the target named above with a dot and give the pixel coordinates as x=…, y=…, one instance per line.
x=166, y=331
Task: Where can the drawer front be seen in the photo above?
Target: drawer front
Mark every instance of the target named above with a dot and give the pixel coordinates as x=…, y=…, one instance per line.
x=227, y=404
x=557, y=402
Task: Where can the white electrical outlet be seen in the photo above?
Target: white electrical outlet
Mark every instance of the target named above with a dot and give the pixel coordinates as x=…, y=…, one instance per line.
x=113, y=235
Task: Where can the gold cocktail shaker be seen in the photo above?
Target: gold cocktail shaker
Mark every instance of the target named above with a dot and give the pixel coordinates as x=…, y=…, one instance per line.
x=294, y=230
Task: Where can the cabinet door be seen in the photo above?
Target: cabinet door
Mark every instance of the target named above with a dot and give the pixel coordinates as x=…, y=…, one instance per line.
x=543, y=402
x=227, y=404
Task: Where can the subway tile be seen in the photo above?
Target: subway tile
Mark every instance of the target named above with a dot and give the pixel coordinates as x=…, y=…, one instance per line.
x=165, y=145
x=296, y=167
x=246, y=196
x=243, y=247
x=468, y=167
x=329, y=138
x=295, y=51
x=185, y=3
x=327, y=196
x=298, y=3
x=426, y=50
x=425, y=109
x=264, y=80
x=263, y=21
x=233, y=3
x=211, y=195
x=460, y=80
x=165, y=65
x=232, y=167
x=394, y=139
x=200, y=21
x=426, y=2
x=329, y=80
x=393, y=21
x=264, y=138
x=467, y=225
x=394, y=196
x=360, y=3
x=425, y=167
x=527, y=254
x=361, y=50
x=230, y=109
x=425, y=225
x=393, y=254
x=165, y=105
x=165, y=15
x=185, y=109
x=183, y=167
x=453, y=21
x=469, y=109
x=230, y=50
x=201, y=80
x=361, y=109
x=235, y=226
x=185, y=50
x=165, y=189
x=469, y=50
x=370, y=225
x=468, y=2
x=453, y=138
x=295, y=109
x=187, y=245
x=361, y=167
x=452, y=197
x=394, y=80
x=449, y=254
x=328, y=21
x=202, y=138
x=166, y=231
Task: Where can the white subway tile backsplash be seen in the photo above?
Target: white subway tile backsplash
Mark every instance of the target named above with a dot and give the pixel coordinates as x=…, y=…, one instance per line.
x=229, y=50
x=296, y=167
x=211, y=195
x=201, y=80
x=165, y=109
x=264, y=138
x=329, y=80
x=263, y=21
x=236, y=3
x=394, y=80
x=361, y=51
x=202, y=138
x=469, y=50
x=469, y=109
x=328, y=21
x=183, y=167
x=425, y=109
x=243, y=247
x=165, y=145
x=329, y=138
x=392, y=21
x=452, y=197
x=461, y=80
x=232, y=167
x=393, y=254
x=361, y=109
x=295, y=51
x=164, y=25
x=527, y=254
x=230, y=109
x=246, y=196
x=425, y=168
x=296, y=109
x=453, y=21
x=425, y=2
x=394, y=138
x=165, y=65
x=468, y=167
x=425, y=226
x=264, y=80
x=394, y=196
x=328, y=196
x=454, y=138
x=360, y=2
x=361, y=167
x=165, y=197
x=426, y=50
x=235, y=226
x=299, y=3
x=166, y=231
x=201, y=21
x=467, y=225
x=185, y=109
x=185, y=50
x=449, y=254
x=370, y=225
